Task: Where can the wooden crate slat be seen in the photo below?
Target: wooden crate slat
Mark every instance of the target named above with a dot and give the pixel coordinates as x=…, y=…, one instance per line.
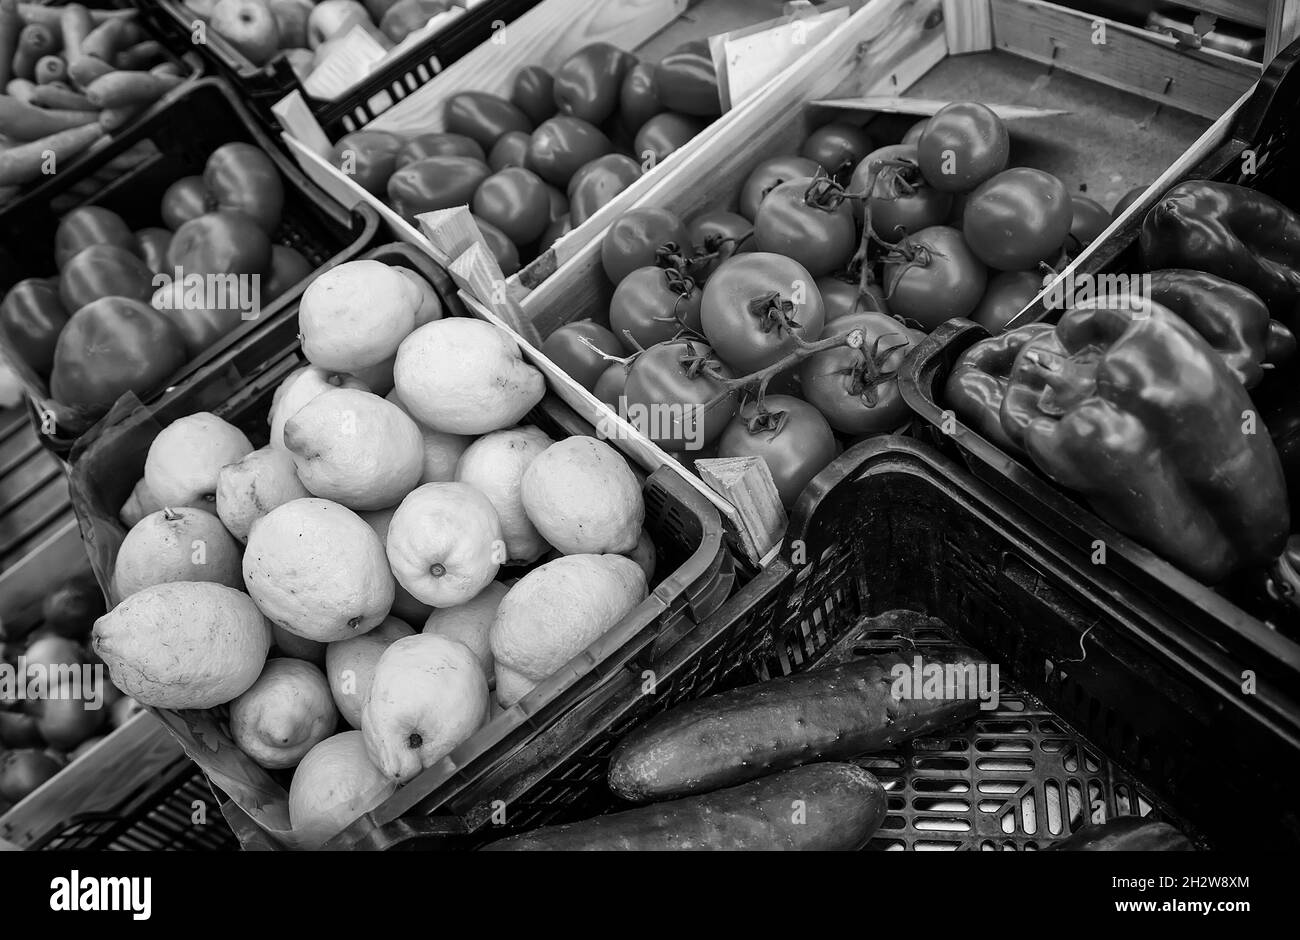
x=1282, y=27
x=17, y=444
x=1135, y=60
x=19, y=522
x=1247, y=12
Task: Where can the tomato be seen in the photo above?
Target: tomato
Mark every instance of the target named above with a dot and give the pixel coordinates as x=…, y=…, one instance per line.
x=103, y=271
x=200, y=325
x=963, y=145
x=840, y=298
x=663, y=134
x=686, y=82
x=563, y=145
x=719, y=234
x=901, y=200
x=483, y=117
x=151, y=245
x=587, y=85
x=91, y=225
x=791, y=436
x=637, y=101
x=559, y=203
x=768, y=175
x=185, y=199
x=1018, y=218
x=653, y=305
x=755, y=304
x=568, y=348
x=1126, y=200
x=111, y=346
x=242, y=178
x=913, y=135
x=612, y=383
x=810, y=221
x=1089, y=219
x=288, y=267
x=667, y=388
x=422, y=146
x=515, y=201
x=934, y=277
x=838, y=146
x=502, y=248
x=510, y=150
x=533, y=93
x=857, y=389
x=31, y=318
x=1007, y=294
x=222, y=242
x=636, y=237
x=599, y=181
x=369, y=157
x=435, y=183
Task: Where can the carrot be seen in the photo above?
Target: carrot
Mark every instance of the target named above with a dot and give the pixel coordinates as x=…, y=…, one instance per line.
x=85, y=70
x=34, y=42
x=21, y=89
x=24, y=122
x=105, y=40
x=123, y=88
x=58, y=95
x=26, y=162
x=50, y=68
x=11, y=25
x=76, y=25
x=141, y=55
x=114, y=119
x=50, y=16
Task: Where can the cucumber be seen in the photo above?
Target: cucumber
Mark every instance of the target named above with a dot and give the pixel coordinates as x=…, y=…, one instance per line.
x=821, y=807
x=1126, y=834
x=825, y=714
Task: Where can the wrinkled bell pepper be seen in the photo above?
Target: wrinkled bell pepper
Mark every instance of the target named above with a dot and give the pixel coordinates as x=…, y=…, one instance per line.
x=1237, y=233
x=1129, y=406
x=1231, y=318
x=978, y=381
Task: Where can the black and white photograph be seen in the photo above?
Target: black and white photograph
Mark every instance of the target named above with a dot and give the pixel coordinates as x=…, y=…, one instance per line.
x=647, y=426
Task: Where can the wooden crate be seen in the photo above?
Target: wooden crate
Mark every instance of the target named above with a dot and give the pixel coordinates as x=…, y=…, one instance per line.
x=547, y=35
x=1010, y=52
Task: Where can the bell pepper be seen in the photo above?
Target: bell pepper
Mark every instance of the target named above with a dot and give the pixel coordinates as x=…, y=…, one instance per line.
x=1126, y=404
x=1231, y=318
x=1237, y=233
x=978, y=381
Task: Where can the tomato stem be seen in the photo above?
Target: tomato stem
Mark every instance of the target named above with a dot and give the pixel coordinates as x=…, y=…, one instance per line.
x=851, y=338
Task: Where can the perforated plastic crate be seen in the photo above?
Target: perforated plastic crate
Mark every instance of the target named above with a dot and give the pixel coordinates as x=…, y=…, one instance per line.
x=1109, y=708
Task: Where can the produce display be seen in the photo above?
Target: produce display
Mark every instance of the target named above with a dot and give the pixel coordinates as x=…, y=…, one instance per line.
x=40, y=736
x=776, y=328
x=412, y=553
x=537, y=165
x=1172, y=371
x=774, y=511
x=308, y=32
x=127, y=309
x=69, y=76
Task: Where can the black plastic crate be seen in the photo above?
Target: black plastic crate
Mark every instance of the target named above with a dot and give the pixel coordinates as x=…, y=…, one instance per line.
x=1235, y=614
x=264, y=85
x=192, y=68
x=157, y=818
x=1109, y=707
x=695, y=572
x=130, y=176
